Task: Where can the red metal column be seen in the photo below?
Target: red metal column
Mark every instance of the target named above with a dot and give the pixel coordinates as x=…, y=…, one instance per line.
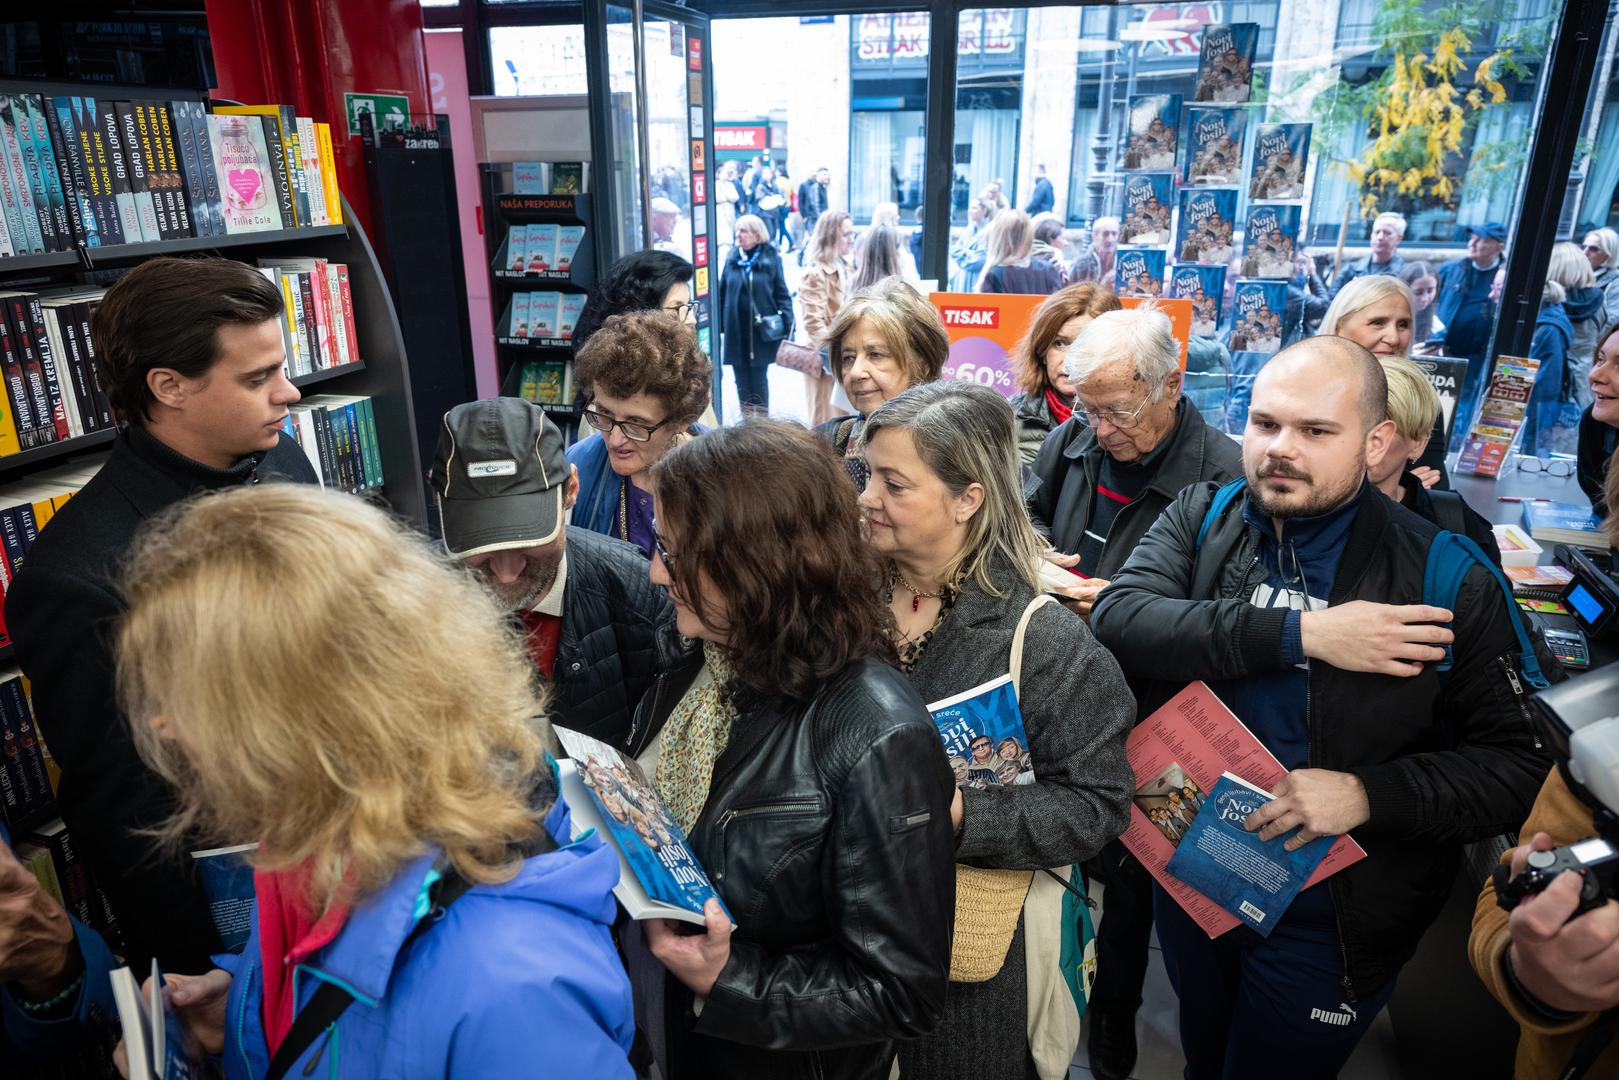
x=309, y=53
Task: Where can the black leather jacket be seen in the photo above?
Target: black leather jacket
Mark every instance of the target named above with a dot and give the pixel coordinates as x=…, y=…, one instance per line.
x=827, y=834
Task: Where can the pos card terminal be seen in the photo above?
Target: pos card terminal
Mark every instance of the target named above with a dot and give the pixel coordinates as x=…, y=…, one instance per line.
x=1592, y=597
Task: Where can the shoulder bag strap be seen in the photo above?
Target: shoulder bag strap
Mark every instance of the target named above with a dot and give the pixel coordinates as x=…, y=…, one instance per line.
x=1017, y=638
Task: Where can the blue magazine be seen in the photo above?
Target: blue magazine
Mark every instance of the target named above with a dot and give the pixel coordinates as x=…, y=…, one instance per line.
x=1269, y=240
x=1149, y=199
x=1207, y=226
x=1139, y=272
x=1281, y=152
x=1225, y=66
x=1204, y=286
x=1214, y=139
x=984, y=740
x=1155, y=121
x=660, y=878
x=1258, y=312
x=1253, y=879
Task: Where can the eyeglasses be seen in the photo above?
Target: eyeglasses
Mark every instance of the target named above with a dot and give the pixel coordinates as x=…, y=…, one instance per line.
x=1591, y=247
x=663, y=552
x=680, y=311
x=1552, y=467
x=633, y=430
x=1124, y=421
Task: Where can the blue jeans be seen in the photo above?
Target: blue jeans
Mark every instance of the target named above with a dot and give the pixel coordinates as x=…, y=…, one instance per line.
x=1254, y=1007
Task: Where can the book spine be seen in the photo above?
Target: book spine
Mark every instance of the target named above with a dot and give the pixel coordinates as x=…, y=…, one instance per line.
x=323, y=317
x=185, y=138
x=30, y=318
x=59, y=121
x=323, y=443
x=334, y=311
x=328, y=168
x=21, y=775
x=347, y=296
x=369, y=408
x=34, y=156
x=295, y=335
x=13, y=230
x=85, y=174
x=77, y=892
x=103, y=405
x=17, y=389
x=311, y=170
x=25, y=162
x=139, y=183
x=123, y=193
x=33, y=756
x=293, y=149
x=100, y=168
x=163, y=134
x=306, y=298
x=63, y=360
x=351, y=449
x=278, y=169
x=157, y=180
x=205, y=166
x=39, y=396
x=50, y=174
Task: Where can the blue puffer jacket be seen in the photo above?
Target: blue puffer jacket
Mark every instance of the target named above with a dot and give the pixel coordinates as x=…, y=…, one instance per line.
x=515, y=978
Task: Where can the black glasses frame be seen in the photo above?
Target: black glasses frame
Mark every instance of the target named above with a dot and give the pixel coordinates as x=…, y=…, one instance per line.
x=633, y=430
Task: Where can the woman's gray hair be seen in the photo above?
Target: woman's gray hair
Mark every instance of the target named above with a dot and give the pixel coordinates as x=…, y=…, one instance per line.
x=1363, y=292
x=1142, y=335
x=1608, y=241
x=966, y=434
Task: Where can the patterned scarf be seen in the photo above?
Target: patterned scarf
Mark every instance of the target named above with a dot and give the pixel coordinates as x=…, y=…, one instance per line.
x=694, y=738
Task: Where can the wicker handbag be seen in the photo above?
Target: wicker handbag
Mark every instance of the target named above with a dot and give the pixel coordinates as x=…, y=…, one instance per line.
x=988, y=902
x=796, y=357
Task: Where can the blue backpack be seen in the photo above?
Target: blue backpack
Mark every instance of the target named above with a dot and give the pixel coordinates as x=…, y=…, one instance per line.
x=1450, y=556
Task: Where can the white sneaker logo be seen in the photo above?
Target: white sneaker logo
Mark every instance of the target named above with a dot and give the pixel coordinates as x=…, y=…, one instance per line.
x=1343, y=1018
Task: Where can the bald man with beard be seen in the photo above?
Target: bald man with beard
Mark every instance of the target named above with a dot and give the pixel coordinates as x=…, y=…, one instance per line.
x=1300, y=607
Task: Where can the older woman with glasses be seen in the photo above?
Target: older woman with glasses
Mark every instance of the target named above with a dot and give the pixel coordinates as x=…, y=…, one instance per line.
x=645, y=384
x=943, y=508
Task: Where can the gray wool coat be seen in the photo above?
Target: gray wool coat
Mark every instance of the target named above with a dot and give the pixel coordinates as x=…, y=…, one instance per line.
x=1076, y=710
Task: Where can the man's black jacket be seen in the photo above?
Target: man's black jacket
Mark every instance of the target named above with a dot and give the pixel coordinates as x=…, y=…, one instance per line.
x=1445, y=761
x=618, y=633
x=61, y=612
x=1070, y=461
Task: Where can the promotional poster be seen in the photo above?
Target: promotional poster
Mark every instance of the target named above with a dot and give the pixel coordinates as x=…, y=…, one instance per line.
x=1225, y=68
x=1257, y=311
x=1207, y=222
x=1214, y=146
x=1204, y=286
x=1139, y=272
x=1281, y=152
x=1154, y=136
x=1270, y=240
x=984, y=330
x=1149, y=199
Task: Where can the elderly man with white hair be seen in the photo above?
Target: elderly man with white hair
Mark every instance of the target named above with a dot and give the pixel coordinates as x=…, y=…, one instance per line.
x=1388, y=229
x=1100, y=481
x=1097, y=262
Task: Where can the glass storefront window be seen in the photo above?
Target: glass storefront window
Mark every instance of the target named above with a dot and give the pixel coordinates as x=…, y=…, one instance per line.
x=537, y=61
x=669, y=127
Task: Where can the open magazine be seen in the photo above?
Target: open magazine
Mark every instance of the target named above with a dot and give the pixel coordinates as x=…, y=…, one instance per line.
x=983, y=735
x=659, y=877
x=1178, y=755
x=156, y=1042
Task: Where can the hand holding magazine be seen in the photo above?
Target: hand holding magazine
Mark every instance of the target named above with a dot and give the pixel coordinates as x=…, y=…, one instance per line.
x=659, y=877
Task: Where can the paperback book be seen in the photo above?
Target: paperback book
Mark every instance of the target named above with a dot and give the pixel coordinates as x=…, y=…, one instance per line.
x=545, y=382
x=1563, y=523
x=983, y=735
x=543, y=309
x=1253, y=879
x=1446, y=373
x=1214, y=140
x=1258, y=309
x=1269, y=241
x=569, y=237
x=606, y=791
x=227, y=879
x=1139, y=272
x=157, y=1045
x=542, y=247
x=1204, y=286
x=1225, y=67
x=528, y=178
x=1207, y=224
x=1500, y=416
x=571, y=306
x=242, y=162
x=567, y=177
x=1154, y=137
x=1148, y=201
x=1281, y=152
x=517, y=248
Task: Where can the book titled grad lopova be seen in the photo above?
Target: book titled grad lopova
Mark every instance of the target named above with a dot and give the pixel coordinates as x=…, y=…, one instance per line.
x=607, y=792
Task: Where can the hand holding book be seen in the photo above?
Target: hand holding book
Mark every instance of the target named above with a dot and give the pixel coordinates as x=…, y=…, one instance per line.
x=695, y=959
x=1323, y=802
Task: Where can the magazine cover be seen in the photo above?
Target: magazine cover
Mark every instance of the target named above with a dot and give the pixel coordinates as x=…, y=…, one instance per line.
x=1177, y=756
x=1154, y=137
x=1494, y=428
x=1139, y=272
x=1207, y=223
x=1257, y=311
x=660, y=878
x=983, y=735
x=1269, y=241
x=1253, y=879
x=1281, y=151
x=1148, y=200
x=1204, y=286
x=1225, y=68
x=1214, y=139
x=242, y=163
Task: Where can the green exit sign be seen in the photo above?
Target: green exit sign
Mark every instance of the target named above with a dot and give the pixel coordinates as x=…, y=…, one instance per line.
x=387, y=110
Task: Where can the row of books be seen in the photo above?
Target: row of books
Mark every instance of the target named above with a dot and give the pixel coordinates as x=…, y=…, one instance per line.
x=339, y=436
x=79, y=171
x=530, y=177
x=546, y=382
x=25, y=509
x=51, y=390
x=318, y=329
x=544, y=315
x=538, y=248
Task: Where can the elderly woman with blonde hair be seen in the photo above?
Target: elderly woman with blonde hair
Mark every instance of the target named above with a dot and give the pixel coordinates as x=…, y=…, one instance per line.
x=413, y=855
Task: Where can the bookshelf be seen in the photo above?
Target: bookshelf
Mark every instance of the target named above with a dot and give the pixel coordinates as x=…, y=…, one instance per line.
x=503, y=210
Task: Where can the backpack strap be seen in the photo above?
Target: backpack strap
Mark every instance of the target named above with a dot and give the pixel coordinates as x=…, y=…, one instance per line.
x=1450, y=556
x=1450, y=510
x=1223, y=498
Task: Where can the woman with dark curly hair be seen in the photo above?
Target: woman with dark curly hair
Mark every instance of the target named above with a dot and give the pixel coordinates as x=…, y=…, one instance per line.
x=645, y=383
x=641, y=281
x=806, y=772
x=1045, y=392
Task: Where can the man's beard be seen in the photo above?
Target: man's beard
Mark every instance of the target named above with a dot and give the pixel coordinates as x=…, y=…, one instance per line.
x=520, y=594
x=1315, y=500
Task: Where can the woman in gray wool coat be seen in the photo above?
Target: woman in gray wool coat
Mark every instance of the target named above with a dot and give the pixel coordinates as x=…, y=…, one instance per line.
x=943, y=505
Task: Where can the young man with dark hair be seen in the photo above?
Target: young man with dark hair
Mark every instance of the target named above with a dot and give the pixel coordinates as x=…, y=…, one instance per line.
x=190, y=354
x=1299, y=603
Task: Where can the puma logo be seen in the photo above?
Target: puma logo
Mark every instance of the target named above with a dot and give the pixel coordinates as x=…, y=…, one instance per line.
x=1343, y=1018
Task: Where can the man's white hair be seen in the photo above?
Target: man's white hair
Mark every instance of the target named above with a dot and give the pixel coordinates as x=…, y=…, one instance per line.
x=1397, y=220
x=1142, y=335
